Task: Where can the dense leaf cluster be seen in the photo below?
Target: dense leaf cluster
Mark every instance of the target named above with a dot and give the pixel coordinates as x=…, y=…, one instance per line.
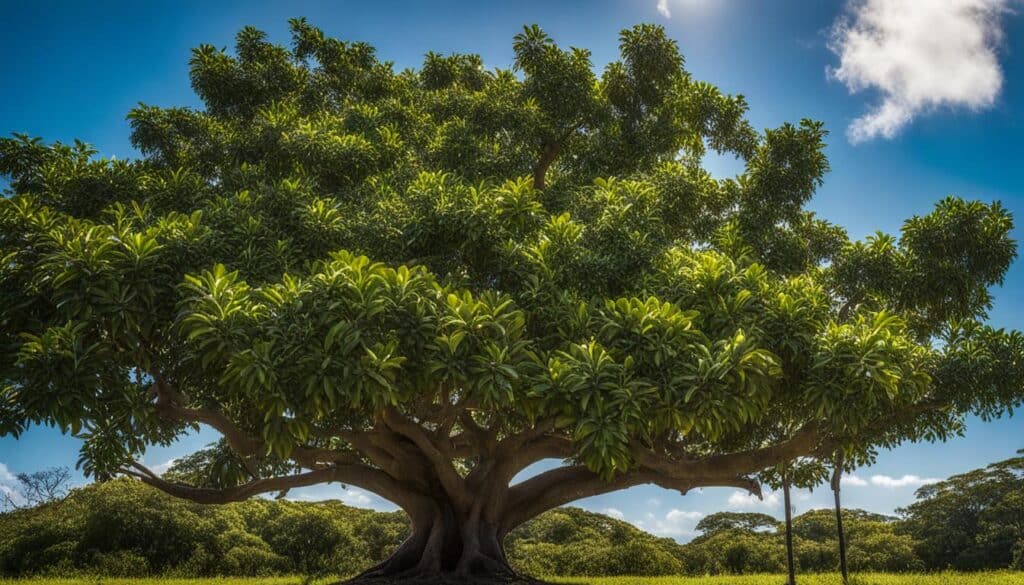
x=971, y=521
x=328, y=237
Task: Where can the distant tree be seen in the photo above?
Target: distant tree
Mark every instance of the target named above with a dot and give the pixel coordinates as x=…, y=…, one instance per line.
x=734, y=551
x=819, y=525
x=38, y=488
x=970, y=521
x=874, y=542
x=422, y=282
x=749, y=521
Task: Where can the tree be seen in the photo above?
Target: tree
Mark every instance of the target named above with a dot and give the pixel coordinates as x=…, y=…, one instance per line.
x=746, y=521
x=874, y=542
x=38, y=488
x=835, y=484
x=790, y=564
x=970, y=521
x=422, y=282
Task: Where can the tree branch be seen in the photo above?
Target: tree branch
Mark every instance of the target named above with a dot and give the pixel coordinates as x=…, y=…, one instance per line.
x=370, y=479
x=450, y=479
x=247, y=447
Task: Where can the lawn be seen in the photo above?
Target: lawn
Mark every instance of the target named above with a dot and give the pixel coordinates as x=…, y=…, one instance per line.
x=990, y=578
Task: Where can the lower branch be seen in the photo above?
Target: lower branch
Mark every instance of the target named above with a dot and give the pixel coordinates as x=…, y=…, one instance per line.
x=358, y=475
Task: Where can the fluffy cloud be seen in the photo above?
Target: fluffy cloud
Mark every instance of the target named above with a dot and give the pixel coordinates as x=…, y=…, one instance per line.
x=740, y=500
x=850, y=479
x=663, y=9
x=920, y=56
x=614, y=513
x=354, y=497
x=5, y=474
x=675, y=523
x=163, y=467
x=899, y=482
x=7, y=487
x=687, y=7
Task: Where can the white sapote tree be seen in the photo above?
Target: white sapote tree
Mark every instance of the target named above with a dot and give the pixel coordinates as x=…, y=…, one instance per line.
x=422, y=282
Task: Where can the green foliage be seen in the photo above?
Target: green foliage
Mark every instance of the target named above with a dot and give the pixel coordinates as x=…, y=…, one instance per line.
x=737, y=543
x=123, y=528
x=971, y=521
x=569, y=541
x=749, y=521
x=328, y=238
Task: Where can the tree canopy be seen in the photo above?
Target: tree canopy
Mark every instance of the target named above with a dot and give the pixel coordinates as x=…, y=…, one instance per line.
x=972, y=521
x=420, y=282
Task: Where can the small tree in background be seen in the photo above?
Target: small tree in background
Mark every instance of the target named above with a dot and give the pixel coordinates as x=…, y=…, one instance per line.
x=971, y=521
x=38, y=488
x=746, y=521
x=422, y=282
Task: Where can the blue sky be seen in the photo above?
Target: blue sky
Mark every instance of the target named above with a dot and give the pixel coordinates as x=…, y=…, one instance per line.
x=940, y=101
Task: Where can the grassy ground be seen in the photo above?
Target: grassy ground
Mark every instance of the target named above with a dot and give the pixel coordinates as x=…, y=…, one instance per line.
x=994, y=578
x=169, y=581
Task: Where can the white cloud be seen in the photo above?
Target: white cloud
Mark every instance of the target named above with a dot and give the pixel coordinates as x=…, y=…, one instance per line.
x=675, y=523
x=899, y=482
x=10, y=493
x=850, y=479
x=740, y=500
x=614, y=513
x=688, y=7
x=920, y=56
x=5, y=474
x=7, y=487
x=163, y=467
x=653, y=502
x=354, y=497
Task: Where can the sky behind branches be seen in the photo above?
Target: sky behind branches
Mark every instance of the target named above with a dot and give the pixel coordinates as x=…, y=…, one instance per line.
x=923, y=99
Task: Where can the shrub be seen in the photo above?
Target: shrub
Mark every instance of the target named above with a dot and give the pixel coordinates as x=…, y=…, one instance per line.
x=253, y=561
x=121, y=563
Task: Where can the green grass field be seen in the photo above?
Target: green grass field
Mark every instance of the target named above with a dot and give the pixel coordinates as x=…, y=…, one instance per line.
x=991, y=578
x=994, y=578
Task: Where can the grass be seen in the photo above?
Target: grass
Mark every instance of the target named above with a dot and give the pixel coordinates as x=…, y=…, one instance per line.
x=990, y=578
x=298, y=580
x=169, y=581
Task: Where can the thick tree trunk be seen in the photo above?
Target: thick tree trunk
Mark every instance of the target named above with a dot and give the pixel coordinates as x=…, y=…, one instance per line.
x=446, y=543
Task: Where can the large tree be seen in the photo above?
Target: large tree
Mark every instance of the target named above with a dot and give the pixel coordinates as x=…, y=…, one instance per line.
x=972, y=521
x=422, y=282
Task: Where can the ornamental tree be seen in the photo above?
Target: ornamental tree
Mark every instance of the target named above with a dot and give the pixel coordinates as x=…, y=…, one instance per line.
x=422, y=282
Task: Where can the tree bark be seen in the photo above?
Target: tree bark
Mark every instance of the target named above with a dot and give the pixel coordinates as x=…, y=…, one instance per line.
x=789, y=529
x=549, y=152
x=836, y=479
x=446, y=542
